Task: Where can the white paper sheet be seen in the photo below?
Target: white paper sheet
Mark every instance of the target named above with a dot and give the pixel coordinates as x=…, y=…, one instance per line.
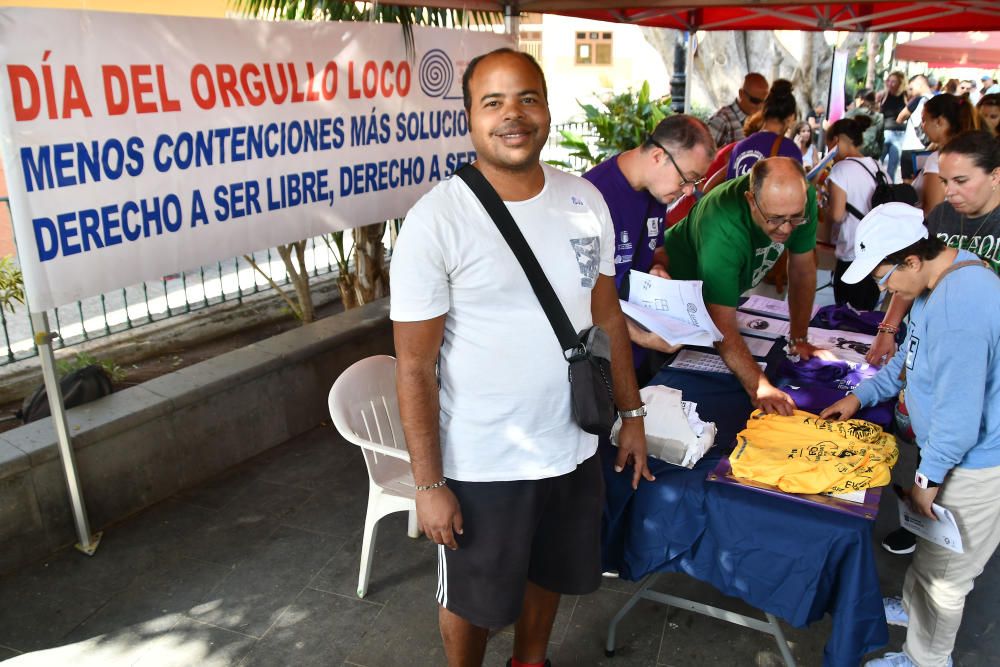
x=943, y=532
x=760, y=325
x=672, y=309
x=673, y=331
x=693, y=360
x=847, y=345
x=857, y=496
x=759, y=347
x=765, y=305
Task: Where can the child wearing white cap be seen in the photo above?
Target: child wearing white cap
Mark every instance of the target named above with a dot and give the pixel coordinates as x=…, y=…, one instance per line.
x=951, y=368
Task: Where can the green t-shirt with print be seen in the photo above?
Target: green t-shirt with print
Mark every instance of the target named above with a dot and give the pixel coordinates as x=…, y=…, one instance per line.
x=720, y=244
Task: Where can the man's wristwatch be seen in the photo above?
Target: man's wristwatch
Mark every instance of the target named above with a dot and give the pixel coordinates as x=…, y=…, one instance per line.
x=638, y=412
x=921, y=480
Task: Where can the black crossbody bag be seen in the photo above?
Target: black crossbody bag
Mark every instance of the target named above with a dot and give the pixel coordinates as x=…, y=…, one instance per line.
x=587, y=352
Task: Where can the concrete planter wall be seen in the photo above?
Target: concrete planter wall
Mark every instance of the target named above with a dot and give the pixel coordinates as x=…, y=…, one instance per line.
x=143, y=444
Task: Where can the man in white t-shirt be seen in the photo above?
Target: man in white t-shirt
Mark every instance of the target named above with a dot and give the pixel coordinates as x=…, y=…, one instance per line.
x=912, y=114
x=507, y=484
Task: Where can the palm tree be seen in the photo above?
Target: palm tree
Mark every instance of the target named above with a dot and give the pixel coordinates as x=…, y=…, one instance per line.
x=369, y=279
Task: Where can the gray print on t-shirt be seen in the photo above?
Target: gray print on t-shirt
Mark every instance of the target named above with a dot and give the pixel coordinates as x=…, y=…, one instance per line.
x=588, y=256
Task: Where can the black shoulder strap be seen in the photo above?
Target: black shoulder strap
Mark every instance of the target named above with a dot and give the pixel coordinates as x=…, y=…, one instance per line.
x=850, y=207
x=491, y=201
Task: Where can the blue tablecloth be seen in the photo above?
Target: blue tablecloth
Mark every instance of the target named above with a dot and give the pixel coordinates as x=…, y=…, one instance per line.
x=795, y=561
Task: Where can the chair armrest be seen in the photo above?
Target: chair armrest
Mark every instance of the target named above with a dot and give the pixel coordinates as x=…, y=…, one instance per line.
x=400, y=454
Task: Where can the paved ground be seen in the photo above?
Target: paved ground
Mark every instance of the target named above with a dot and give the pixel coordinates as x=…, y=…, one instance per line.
x=259, y=567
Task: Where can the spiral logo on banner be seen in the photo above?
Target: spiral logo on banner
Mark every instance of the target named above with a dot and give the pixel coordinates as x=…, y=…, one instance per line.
x=436, y=73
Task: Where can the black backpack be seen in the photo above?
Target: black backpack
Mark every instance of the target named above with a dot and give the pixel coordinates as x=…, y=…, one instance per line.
x=885, y=192
x=81, y=386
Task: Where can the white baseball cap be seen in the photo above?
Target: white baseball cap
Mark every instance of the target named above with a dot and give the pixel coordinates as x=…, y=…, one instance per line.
x=886, y=229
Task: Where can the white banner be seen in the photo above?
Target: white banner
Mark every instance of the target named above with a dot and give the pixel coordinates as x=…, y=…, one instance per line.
x=136, y=146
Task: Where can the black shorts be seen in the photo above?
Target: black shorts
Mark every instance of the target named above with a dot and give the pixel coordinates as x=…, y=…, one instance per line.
x=547, y=531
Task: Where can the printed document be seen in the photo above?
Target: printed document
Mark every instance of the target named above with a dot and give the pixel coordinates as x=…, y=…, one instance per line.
x=672, y=309
x=943, y=532
x=765, y=305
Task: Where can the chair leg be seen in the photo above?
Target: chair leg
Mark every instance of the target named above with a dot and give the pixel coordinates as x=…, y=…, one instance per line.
x=368, y=541
x=412, y=528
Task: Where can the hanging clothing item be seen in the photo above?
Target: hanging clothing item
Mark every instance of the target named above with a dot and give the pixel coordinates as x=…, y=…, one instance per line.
x=805, y=454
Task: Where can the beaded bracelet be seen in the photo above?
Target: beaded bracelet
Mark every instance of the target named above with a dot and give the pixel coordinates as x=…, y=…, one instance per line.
x=888, y=328
x=435, y=485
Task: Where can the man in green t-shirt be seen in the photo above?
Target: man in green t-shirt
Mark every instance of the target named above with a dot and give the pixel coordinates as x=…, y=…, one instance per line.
x=730, y=239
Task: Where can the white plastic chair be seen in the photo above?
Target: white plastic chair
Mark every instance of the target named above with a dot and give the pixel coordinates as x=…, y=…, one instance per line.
x=365, y=411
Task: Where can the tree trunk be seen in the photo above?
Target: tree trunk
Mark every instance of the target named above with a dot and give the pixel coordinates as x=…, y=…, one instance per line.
x=723, y=58
x=299, y=277
x=873, y=51
x=371, y=277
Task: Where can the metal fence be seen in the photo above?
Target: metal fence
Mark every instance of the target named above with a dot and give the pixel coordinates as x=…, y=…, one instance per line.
x=226, y=281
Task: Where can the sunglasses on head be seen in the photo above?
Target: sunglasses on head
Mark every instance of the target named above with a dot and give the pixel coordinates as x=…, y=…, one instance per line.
x=753, y=100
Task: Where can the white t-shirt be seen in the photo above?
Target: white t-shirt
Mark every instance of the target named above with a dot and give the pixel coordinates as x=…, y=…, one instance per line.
x=911, y=142
x=931, y=169
x=505, y=402
x=859, y=185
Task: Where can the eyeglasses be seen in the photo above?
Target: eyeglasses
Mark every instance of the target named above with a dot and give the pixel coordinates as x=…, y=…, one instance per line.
x=685, y=181
x=884, y=280
x=776, y=221
x=753, y=100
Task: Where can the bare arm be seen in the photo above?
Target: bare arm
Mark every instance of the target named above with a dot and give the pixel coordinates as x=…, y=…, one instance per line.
x=607, y=314
x=904, y=115
x=933, y=193
x=885, y=343
x=836, y=204
x=734, y=352
x=417, y=346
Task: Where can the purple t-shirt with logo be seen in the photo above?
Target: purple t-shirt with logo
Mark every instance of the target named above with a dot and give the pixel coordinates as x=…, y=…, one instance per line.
x=758, y=146
x=637, y=217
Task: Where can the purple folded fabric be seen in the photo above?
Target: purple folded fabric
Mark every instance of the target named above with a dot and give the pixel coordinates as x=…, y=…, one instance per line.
x=846, y=318
x=840, y=375
x=814, y=398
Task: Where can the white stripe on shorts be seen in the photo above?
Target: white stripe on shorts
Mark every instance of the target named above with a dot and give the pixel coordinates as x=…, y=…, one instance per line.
x=442, y=589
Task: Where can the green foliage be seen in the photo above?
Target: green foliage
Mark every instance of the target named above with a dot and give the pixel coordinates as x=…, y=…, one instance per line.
x=84, y=359
x=11, y=284
x=857, y=68
x=335, y=243
x=332, y=10
x=620, y=122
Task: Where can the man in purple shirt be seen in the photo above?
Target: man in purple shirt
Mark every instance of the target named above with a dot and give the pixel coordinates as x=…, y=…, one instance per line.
x=638, y=186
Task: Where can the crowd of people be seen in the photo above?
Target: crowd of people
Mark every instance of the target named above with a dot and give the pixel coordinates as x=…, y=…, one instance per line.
x=510, y=486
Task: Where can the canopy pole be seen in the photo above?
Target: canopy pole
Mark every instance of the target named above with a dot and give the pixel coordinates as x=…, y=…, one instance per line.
x=510, y=20
x=43, y=340
x=678, y=82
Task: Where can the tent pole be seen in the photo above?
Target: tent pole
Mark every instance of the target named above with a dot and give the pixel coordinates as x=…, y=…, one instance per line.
x=43, y=340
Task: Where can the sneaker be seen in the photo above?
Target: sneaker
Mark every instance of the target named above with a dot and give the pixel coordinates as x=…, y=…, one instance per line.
x=900, y=541
x=894, y=612
x=897, y=660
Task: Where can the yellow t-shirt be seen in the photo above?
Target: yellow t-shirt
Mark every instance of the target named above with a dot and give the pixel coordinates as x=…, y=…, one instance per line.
x=805, y=454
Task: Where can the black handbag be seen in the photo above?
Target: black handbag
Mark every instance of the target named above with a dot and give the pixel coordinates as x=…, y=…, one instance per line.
x=588, y=352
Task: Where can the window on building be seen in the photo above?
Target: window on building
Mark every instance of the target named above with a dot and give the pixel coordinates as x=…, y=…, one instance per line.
x=531, y=42
x=593, y=48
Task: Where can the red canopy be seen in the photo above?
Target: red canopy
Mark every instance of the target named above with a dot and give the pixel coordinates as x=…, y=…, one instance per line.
x=954, y=49
x=875, y=15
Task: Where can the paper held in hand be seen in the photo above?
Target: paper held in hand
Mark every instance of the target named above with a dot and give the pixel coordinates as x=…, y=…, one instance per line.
x=943, y=532
x=672, y=309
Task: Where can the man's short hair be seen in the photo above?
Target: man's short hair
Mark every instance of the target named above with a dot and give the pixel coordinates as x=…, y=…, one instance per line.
x=926, y=249
x=762, y=169
x=467, y=77
x=920, y=76
x=681, y=132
